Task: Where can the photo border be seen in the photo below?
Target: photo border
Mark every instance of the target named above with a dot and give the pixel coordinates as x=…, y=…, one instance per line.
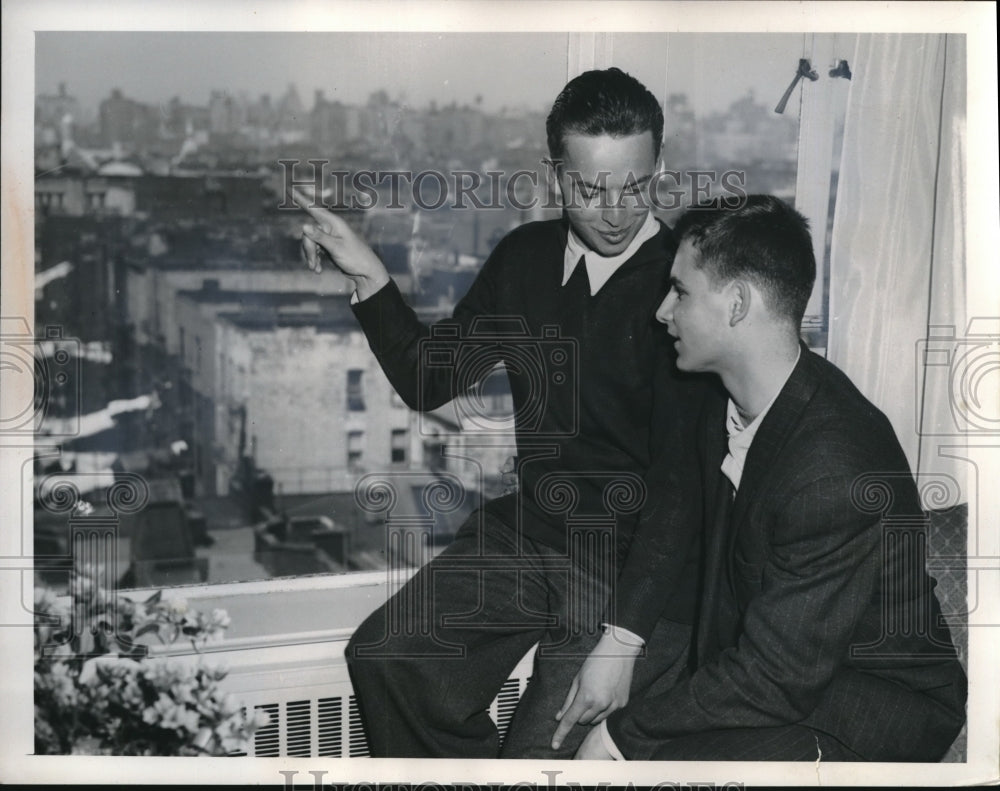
x=21, y=19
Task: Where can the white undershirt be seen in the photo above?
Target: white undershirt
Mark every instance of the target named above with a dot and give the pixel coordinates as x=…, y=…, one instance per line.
x=741, y=437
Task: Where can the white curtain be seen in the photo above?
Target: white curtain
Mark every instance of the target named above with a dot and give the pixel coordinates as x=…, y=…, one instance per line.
x=898, y=264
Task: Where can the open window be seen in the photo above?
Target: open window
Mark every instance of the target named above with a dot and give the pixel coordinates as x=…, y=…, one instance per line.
x=231, y=387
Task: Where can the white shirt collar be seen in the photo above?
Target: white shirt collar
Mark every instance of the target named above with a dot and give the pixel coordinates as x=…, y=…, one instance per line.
x=741, y=437
x=599, y=268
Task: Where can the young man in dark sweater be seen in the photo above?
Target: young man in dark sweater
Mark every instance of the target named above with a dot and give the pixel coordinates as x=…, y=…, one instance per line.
x=568, y=306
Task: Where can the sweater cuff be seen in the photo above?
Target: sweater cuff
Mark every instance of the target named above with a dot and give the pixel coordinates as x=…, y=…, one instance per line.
x=623, y=636
x=634, y=611
x=388, y=293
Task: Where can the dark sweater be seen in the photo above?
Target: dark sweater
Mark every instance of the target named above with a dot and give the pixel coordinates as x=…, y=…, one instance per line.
x=582, y=370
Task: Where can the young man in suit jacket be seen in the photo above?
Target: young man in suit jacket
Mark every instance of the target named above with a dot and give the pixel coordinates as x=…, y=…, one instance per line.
x=818, y=631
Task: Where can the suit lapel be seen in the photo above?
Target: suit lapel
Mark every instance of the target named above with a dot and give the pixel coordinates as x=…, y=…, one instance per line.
x=716, y=534
x=721, y=534
x=774, y=431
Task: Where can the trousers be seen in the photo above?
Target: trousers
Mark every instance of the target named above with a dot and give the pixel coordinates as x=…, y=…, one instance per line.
x=427, y=664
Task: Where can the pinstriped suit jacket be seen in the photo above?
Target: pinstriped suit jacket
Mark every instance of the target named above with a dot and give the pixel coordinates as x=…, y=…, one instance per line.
x=815, y=606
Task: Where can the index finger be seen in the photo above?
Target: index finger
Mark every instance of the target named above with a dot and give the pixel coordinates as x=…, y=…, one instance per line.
x=569, y=719
x=311, y=206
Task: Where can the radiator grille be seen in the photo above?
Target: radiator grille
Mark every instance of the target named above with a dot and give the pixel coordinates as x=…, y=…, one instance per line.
x=358, y=745
x=331, y=726
x=298, y=729
x=266, y=740
x=316, y=728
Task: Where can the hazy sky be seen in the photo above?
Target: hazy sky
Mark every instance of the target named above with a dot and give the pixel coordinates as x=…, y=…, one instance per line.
x=512, y=69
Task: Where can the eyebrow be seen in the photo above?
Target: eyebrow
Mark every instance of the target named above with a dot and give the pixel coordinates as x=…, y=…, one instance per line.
x=599, y=186
x=676, y=282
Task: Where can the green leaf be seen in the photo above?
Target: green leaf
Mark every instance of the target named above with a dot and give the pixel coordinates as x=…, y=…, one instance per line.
x=154, y=598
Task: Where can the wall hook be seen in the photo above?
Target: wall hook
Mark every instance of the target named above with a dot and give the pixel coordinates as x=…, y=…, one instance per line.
x=841, y=70
x=805, y=70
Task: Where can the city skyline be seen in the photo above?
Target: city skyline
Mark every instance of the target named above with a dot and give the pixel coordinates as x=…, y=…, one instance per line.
x=493, y=71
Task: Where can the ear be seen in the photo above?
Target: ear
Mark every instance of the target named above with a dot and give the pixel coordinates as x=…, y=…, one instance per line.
x=739, y=306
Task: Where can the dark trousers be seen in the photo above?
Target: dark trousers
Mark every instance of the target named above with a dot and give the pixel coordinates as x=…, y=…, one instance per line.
x=785, y=743
x=859, y=717
x=427, y=664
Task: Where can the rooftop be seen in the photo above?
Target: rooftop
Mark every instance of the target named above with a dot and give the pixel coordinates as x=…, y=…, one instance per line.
x=270, y=321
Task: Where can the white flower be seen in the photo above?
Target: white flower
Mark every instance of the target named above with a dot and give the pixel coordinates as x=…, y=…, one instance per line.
x=219, y=622
x=202, y=738
x=260, y=719
x=191, y=710
x=229, y=705
x=46, y=600
x=88, y=673
x=177, y=606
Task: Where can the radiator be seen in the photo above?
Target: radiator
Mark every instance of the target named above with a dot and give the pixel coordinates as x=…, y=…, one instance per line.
x=306, y=691
x=330, y=727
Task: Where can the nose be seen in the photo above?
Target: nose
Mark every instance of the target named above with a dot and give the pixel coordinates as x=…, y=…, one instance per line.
x=665, y=313
x=614, y=214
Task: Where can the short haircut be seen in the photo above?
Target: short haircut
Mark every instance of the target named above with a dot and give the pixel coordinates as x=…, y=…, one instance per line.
x=603, y=102
x=763, y=240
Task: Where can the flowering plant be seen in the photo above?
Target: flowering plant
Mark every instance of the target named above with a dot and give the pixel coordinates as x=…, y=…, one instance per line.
x=98, y=692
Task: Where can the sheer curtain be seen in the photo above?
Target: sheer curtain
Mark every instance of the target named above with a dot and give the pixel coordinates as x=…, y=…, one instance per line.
x=898, y=264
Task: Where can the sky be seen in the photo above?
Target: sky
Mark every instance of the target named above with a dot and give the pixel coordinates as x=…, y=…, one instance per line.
x=505, y=69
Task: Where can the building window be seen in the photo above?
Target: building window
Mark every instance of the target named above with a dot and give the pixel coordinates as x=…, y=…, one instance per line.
x=400, y=444
x=50, y=200
x=355, y=390
x=355, y=449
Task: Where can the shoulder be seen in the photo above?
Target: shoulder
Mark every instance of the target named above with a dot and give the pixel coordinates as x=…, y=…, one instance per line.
x=839, y=405
x=665, y=238
x=840, y=433
x=525, y=248
x=534, y=234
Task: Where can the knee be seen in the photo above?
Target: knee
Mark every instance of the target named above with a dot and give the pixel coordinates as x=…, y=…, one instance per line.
x=371, y=632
